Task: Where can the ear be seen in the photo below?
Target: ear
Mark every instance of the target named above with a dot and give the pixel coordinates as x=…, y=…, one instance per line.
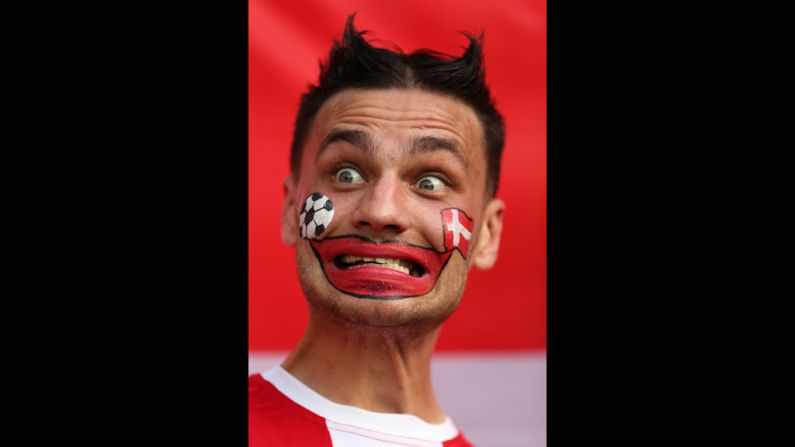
x=289, y=216
x=488, y=244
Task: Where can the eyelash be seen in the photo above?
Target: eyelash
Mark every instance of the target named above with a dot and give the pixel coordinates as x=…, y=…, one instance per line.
x=445, y=183
x=335, y=172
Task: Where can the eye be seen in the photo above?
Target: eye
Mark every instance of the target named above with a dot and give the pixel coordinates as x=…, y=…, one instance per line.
x=349, y=175
x=430, y=183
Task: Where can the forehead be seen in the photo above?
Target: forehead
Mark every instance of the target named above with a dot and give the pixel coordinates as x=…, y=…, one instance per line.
x=399, y=114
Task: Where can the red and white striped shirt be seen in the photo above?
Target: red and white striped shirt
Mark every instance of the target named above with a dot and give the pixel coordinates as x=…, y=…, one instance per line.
x=285, y=412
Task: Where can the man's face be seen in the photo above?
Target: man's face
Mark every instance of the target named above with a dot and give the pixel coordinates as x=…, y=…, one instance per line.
x=391, y=161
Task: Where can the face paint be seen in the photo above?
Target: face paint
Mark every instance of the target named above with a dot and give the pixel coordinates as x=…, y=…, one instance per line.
x=363, y=268
x=457, y=227
x=316, y=216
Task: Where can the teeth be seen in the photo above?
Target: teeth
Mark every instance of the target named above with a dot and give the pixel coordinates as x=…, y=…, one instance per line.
x=394, y=264
x=397, y=267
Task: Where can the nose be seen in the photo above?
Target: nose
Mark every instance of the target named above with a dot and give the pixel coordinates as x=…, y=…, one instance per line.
x=383, y=209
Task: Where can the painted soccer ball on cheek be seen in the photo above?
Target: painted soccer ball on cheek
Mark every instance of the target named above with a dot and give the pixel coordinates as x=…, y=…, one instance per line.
x=315, y=216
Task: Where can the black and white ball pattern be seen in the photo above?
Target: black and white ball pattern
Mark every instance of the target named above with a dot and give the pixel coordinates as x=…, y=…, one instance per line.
x=316, y=215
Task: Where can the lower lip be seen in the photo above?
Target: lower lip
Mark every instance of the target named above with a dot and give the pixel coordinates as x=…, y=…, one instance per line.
x=378, y=281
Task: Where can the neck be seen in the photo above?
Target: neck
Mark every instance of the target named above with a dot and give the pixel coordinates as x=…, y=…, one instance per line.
x=378, y=369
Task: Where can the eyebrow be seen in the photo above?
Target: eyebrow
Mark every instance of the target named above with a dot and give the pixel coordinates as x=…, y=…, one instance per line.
x=418, y=145
x=428, y=144
x=357, y=138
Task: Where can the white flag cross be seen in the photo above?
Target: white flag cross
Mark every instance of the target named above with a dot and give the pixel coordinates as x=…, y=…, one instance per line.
x=457, y=229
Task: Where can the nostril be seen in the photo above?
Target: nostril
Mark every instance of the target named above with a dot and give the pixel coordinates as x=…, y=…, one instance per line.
x=381, y=215
x=391, y=227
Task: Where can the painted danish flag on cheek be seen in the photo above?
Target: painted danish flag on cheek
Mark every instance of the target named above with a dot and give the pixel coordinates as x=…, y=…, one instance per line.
x=457, y=227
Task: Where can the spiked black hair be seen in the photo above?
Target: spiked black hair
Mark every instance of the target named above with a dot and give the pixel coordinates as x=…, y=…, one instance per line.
x=354, y=63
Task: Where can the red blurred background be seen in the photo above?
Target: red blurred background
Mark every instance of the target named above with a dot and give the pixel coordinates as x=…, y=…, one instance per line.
x=503, y=308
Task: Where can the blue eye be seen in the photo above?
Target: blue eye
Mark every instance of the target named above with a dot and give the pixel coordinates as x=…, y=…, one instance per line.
x=430, y=183
x=349, y=175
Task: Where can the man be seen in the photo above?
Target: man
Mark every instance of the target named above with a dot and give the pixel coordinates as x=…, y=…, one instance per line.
x=394, y=168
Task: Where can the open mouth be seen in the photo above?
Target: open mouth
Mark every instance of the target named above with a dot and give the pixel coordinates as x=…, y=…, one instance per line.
x=363, y=268
x=348, y=262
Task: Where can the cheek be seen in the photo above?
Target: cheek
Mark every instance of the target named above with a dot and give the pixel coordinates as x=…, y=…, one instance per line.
x=344, y=204
x=316, y=214
x=430, y=220
x=458, y=228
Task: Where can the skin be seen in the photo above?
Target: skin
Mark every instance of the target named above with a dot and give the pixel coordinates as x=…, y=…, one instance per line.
x=376, y=354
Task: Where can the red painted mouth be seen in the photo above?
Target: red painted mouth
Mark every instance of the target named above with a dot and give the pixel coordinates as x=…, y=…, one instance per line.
x=379, y=270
